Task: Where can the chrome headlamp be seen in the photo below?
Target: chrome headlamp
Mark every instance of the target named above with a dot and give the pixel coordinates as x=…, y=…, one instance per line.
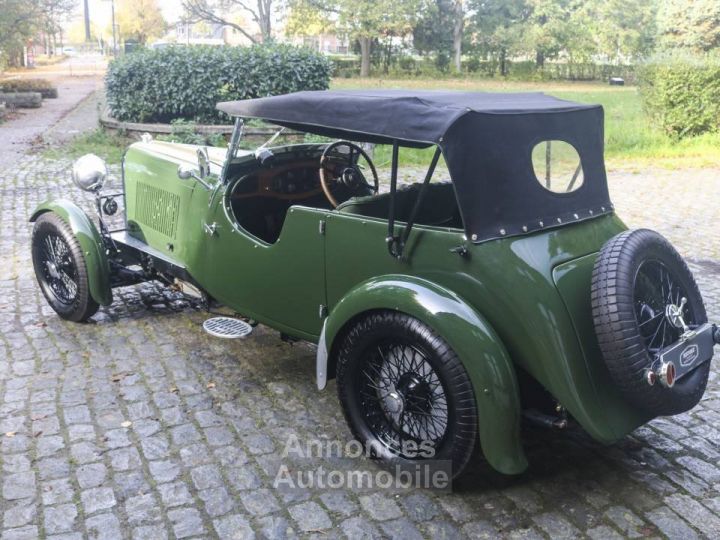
x=89, y=172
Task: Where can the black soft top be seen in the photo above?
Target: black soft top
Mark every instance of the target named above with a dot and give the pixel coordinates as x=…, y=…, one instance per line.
x=417, y=118
x=486, y=139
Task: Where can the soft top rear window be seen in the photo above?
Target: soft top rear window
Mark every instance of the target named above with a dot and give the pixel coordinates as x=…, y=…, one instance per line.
x=557, y=166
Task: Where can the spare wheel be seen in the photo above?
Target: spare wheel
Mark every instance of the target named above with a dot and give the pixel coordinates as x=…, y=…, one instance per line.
x=650, y=323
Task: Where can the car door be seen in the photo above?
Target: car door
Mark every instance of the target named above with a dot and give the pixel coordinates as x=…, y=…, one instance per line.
x=280, y=284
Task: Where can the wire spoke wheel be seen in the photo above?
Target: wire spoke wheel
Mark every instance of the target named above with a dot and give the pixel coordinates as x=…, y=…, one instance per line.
x=405, y=393
x=58, y=268
x=61, y=268
x=403, y=398
x=655, y=290
x=644, y=298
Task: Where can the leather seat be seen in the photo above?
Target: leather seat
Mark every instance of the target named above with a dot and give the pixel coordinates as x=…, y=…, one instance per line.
x=439, y=206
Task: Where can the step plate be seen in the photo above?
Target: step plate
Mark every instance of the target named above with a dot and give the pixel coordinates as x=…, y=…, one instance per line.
x=227, y=327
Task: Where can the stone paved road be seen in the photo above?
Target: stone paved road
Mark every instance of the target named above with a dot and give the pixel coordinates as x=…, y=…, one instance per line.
x=19, y=133
x=139, y=425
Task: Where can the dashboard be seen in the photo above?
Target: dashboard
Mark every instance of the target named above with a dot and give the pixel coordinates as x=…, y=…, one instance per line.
x=263, y=192
x=297, y=180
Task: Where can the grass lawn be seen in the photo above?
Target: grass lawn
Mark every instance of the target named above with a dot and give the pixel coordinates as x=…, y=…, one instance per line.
x=109, y=145
x=631, y=140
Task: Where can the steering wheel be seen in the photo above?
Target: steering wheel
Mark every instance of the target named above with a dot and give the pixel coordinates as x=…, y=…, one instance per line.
x=351, y=176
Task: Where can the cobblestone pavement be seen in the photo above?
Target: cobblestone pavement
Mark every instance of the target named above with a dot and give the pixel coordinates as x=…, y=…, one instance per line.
x=139, y=425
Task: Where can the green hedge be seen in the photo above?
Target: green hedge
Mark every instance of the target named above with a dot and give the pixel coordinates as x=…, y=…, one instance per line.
x=683, y=94
x=187, y=81
x=45, y=87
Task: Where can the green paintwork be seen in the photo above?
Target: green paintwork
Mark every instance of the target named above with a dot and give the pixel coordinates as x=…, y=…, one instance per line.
x=510, y=282
x=161, y=209
x=575, y=276
x=91, y=243
x=280, y=284
x=470, y=336
x=522, y=300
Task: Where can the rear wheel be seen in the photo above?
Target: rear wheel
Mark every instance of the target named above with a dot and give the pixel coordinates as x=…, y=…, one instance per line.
x=60, y=269
x=641, y=290
x=405, y=393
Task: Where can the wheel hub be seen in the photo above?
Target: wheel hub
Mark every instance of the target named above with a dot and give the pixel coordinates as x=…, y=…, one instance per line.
x=395, y=403
x=53, y=270
x=675, y=316
x=416, y=393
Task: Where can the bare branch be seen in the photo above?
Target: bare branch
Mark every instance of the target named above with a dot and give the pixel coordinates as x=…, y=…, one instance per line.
x=200, y=10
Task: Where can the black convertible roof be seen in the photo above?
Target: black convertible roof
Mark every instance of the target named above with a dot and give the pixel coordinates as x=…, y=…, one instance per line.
x=417, y=118
x=487, y=141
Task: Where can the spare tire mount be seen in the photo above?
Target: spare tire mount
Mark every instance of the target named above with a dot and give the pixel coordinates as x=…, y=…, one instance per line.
x=651, y=323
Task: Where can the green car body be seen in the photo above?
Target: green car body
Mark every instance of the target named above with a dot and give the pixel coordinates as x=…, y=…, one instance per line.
x=511, y=295
x=327, y=268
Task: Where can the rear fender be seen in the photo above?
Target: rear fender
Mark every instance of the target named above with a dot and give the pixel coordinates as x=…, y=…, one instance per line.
x=90, y=241
x=467, y=332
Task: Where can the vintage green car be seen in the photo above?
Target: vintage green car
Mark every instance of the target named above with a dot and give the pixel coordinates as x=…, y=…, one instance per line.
x=446, y=311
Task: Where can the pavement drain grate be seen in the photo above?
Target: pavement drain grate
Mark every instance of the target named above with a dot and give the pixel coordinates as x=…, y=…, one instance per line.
x=227, y=327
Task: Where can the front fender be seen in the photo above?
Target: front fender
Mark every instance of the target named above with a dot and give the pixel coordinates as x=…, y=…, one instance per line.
x=96, y=260
x=471, y=337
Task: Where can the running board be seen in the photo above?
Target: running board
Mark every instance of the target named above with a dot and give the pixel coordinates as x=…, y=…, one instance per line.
x=130, y=246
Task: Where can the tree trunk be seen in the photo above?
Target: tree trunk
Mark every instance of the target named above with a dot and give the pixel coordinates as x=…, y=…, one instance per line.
x=22, y=100
x=266, y=29
x=458, y=34
x=364, y=56
x=263, y=18
x=503, y=63
x=539, y=59
x=88, y=37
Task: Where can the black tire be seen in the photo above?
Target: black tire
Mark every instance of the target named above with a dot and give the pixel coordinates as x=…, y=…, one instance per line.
x=629, y=317
x=60, y=269
x=435, y=368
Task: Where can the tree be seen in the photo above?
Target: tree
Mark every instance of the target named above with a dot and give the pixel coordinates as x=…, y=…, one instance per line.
x=458, y=24
x=364, y=20
x=21, y=20
x=548, y=27
x=140, y=20
x=622, y=30
x=221, y=12
x=497, y=28
x=440, y=28
x=693, y=25
x=433, y=31
x=76, y=32
x=304, y=19
x=16, y=26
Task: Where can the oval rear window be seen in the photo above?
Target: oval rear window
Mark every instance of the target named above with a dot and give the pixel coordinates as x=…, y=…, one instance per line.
x=557, y=166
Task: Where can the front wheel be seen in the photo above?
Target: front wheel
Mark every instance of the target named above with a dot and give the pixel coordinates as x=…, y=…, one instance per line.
x=60, y=269
x=405, y=393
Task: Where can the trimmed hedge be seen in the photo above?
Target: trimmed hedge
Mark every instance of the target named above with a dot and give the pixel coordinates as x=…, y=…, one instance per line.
x=683, y=94
x=188, y=81
x=45, y=87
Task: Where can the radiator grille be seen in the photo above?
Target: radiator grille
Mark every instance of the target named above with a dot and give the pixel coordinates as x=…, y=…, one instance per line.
x=157, y=208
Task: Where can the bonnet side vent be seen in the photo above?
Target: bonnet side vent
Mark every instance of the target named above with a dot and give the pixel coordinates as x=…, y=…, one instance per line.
x=157, y=208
